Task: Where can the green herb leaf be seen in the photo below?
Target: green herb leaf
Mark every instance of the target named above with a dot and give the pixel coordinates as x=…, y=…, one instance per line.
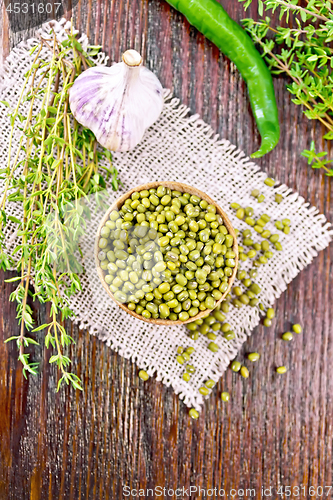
x=11, y=280
x=303, y=53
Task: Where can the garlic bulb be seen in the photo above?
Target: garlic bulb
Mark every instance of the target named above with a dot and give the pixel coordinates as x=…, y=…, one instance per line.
x=117, y=103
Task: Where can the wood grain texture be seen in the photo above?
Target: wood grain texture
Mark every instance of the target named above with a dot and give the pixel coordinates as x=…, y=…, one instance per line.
x=276, y=430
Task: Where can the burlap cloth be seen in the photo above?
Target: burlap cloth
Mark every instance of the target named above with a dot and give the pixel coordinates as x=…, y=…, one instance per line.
x=182, y=148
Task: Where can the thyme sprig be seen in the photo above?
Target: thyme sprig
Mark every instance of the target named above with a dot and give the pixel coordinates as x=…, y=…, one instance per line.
x=304, y=53
x=53, y=167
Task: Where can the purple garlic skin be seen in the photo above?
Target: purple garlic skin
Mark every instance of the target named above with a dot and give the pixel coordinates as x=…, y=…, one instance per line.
x=117, y=103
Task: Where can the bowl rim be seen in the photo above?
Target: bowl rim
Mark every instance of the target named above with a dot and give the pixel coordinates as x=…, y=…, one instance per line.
x=174, y=186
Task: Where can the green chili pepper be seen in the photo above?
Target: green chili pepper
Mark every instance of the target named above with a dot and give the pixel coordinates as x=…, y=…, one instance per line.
x=209, y=17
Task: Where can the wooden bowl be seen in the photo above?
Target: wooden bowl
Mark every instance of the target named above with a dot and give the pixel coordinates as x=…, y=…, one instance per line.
x=174, y=186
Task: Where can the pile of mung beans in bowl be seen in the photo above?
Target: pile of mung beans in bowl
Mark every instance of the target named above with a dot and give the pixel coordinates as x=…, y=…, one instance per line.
x=166, y=253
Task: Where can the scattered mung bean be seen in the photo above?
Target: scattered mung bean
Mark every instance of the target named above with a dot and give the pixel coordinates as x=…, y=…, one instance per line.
x=204, y=391
x=194, y=413
x=287, y=336
x=253, y=356
x=270, y=313
x=229, y=335
x=143, y=375
x=190, y=369
x=225, y=396
x=180, y=359
x=236, y=366
x=269, y=181
x=244, y=372
x=212, y=346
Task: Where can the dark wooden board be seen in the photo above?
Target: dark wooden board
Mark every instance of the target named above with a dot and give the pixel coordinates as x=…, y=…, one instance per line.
x=276, y=430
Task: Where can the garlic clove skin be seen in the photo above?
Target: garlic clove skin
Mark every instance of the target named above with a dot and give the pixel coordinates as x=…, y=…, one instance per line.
x=117, y=103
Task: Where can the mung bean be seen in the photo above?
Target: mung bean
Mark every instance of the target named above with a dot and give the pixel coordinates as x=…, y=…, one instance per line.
x=253, y=356
x=143, y=375
x=236, y=366
x=225, y=396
